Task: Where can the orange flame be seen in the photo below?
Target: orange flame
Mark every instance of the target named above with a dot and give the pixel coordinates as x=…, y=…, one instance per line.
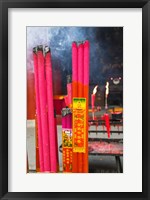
x=95, y=89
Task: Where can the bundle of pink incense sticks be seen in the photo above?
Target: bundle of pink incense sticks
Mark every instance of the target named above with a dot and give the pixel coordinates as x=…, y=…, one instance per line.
x=47, y=130
x=80, y=89
x=67, y=139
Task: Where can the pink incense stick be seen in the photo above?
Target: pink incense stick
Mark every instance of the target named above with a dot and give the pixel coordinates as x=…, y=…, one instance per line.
x=63, y=122
x=66, y=100
x=43, y=111
x=69, y=121
x=80, y=93
x=74, y=94
x=69, y=89
x=86, y=95
x=56, y=140
x=66, y=118
x=38, y=110
x=67, y=138
x=74, y=62
x=86, y=62
x=51, y=121
x=80, y=70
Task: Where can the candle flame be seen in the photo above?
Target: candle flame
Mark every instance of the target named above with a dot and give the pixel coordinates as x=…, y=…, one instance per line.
x=95, y=89
x=107, y=88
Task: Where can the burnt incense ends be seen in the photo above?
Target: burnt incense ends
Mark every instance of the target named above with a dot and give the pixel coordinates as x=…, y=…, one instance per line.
x=86, y=43
x=40, y=48
x=35, y=50
x=47, y=49
x=78, y=43
x=66, y=111
x=44, y=49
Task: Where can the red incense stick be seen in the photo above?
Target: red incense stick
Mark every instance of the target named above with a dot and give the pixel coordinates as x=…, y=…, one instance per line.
x=56, y=140
x=80, y=94
x=67, y=139
x=43, y=111
x=74, y=93
x=40, y=145
x=86, y=95
x=50, y=103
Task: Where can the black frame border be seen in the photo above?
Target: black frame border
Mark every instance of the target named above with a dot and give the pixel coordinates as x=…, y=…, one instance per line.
x=4, y=6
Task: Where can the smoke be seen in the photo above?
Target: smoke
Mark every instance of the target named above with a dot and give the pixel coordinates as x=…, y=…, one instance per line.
x=105, y=47
x=60, y=41
x=35, y=36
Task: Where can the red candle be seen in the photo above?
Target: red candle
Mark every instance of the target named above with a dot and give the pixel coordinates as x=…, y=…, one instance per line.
x=38, y=110
x=107, y=124
x=93, y=96
x=106, y=94
x=93, y=100
x=50, y=103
